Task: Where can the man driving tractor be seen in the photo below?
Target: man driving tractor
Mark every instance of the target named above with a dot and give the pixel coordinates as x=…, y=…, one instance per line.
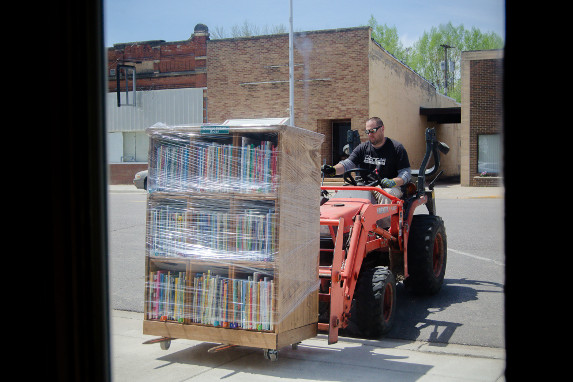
x=382, y=157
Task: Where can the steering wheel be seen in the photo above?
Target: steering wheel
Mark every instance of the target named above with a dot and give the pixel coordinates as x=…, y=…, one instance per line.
x=348, y=178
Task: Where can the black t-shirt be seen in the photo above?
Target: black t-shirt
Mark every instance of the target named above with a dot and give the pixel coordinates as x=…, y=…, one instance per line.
x=388, y=159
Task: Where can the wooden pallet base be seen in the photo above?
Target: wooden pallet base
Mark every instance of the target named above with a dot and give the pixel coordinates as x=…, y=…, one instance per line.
x=263, y=340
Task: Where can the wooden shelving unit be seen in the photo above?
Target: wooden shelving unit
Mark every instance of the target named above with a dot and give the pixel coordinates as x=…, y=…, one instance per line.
x=232, y=236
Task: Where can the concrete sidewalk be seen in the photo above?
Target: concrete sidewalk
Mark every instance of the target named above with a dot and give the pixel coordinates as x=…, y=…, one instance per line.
x=350, y=359
x=457, y=191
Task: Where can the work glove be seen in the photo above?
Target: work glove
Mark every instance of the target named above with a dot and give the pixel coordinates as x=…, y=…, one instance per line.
x=328, y=170
x=388, y=183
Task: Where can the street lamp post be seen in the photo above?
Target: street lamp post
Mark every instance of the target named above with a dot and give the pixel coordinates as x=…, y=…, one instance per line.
x=291, y=69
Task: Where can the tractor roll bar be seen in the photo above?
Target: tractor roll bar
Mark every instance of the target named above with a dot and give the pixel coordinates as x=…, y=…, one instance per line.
x=433, y=146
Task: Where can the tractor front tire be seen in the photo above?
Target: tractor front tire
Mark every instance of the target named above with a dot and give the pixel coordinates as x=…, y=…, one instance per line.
x=427, y=255
x=374, y=305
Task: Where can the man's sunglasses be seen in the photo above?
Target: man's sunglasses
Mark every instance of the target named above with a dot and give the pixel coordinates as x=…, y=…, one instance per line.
x=372, y=131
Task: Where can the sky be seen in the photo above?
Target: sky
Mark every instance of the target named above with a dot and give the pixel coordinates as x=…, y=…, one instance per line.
x=174, y=20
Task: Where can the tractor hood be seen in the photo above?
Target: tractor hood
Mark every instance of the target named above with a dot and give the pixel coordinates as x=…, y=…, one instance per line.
x=346, y=208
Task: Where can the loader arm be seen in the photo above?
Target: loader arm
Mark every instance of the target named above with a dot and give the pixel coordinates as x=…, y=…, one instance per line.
x=347, y=262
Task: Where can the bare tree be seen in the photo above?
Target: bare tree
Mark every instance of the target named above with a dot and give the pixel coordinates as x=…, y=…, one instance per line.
x=247, y=30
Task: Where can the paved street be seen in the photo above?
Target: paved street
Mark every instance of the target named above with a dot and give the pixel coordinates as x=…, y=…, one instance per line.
x=457, y=335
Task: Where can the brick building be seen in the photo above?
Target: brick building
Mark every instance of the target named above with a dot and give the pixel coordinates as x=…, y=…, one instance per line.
x=342, y=77
x=482, y=118
x=150, y=82
x=162, y=65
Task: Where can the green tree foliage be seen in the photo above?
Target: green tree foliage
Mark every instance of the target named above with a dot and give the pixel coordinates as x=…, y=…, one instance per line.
x=389, y=39
x=428, y=53
x=247, y=30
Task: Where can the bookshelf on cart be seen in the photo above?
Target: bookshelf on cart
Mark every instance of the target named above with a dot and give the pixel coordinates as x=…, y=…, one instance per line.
x=232, y=234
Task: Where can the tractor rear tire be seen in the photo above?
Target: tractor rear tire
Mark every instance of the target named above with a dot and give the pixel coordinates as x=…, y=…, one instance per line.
x=427, y=255
x=374, y=305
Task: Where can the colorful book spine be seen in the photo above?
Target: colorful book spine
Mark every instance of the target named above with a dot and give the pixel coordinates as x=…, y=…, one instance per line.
x=168, y=230
x=195, y=232
x=219, y=301
x=214, y=167
x=166, y=295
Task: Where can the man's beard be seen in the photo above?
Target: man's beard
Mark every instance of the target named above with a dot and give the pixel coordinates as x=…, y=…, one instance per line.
x=377, y=140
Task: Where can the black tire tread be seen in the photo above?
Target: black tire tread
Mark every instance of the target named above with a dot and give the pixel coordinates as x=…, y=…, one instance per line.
x=366, y=312
x=423, y=230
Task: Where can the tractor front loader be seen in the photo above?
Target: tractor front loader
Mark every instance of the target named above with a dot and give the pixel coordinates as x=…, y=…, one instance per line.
x=361, y=259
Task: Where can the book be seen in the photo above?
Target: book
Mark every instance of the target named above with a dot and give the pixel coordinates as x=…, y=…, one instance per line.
x=182, y=231
x=213, y=300
x=214, y=167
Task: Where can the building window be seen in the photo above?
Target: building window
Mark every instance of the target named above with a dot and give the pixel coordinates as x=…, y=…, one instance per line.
x=489, y=154
x=126, y=90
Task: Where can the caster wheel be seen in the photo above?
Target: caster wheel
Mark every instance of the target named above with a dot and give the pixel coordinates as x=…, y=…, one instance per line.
x=165, y=344
x=295, y=346
x=271, y=354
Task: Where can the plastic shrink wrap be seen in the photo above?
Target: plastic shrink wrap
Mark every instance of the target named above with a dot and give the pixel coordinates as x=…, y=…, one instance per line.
x=232, y=235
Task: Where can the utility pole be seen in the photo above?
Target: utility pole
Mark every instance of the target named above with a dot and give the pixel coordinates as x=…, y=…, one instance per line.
x=446, y=47
x=291, y=69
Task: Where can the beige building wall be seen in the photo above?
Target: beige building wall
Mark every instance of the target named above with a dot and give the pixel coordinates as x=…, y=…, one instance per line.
x=449, y=133
x=396, y=95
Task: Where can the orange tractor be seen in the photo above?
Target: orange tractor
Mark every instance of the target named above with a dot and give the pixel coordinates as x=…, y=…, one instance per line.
x=361, y=260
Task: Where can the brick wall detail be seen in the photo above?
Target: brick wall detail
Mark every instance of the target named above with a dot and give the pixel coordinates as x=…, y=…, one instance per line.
x=486, y=111
x=162, y=65
x=249, y=78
